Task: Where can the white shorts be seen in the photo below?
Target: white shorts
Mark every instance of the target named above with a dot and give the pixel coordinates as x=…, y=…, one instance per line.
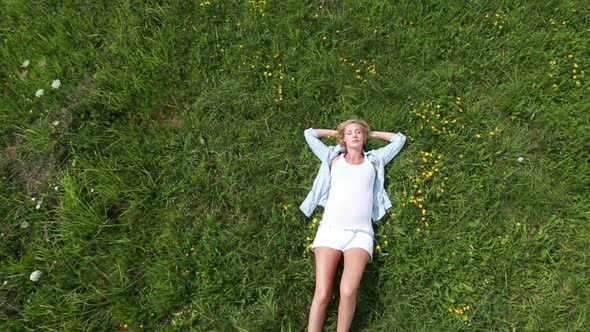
x=342, y=239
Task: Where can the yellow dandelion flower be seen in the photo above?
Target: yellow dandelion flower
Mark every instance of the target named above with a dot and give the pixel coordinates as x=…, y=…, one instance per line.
x=477, y=135
x=570, y=56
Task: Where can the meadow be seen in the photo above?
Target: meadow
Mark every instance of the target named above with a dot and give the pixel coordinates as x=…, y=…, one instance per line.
x=153, y=161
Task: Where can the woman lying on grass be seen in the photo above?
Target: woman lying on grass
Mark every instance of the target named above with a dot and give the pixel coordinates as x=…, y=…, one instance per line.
x=349, y=186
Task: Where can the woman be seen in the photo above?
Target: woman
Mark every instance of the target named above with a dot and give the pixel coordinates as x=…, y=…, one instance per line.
x=349, y=186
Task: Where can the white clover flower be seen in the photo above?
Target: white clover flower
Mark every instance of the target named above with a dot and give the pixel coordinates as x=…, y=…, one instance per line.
x=37, y=207
x=55, y=188
x=520, y=159
x=55, y=123
x=55, y=84
x=39, y=93
x=24, y=224
x=92, y=190
x=33, y=199
x=35, y=276
x=5, y=282
x=26, y=63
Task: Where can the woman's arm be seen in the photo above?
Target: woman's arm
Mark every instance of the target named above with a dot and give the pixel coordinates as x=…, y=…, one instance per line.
x=385, y=136
x=326, y=132
x=396, y=142
x=313, y=138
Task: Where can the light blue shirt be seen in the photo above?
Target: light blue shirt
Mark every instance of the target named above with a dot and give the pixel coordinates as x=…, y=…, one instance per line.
x=321, y=185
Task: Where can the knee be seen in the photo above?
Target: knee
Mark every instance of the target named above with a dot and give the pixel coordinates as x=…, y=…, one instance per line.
x=348, y=291
x=322, y=296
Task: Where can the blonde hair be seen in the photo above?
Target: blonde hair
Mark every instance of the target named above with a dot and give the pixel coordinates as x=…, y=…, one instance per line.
x=342, y=126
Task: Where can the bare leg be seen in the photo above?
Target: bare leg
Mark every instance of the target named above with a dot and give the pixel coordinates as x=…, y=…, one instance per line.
x=326, y=262
x=355, y=260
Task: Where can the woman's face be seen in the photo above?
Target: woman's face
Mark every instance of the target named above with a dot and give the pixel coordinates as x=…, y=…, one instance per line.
x=354, y=136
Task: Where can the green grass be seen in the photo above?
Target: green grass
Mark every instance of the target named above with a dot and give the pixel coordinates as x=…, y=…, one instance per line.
x=168, y=189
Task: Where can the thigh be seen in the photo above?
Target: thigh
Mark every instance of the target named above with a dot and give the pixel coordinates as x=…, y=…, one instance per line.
x=326, y=263
x=355, y=261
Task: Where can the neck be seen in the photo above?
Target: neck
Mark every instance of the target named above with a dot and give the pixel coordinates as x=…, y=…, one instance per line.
x=354, y=153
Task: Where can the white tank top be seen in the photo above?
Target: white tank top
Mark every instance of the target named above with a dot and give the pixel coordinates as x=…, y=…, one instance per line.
x=350, y=200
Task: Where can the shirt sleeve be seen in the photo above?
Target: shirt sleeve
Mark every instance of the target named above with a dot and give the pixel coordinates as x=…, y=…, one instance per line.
x=315, y=143
x=396, y=143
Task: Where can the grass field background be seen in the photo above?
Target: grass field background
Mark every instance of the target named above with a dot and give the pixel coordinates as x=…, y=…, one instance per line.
x=157, y=185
